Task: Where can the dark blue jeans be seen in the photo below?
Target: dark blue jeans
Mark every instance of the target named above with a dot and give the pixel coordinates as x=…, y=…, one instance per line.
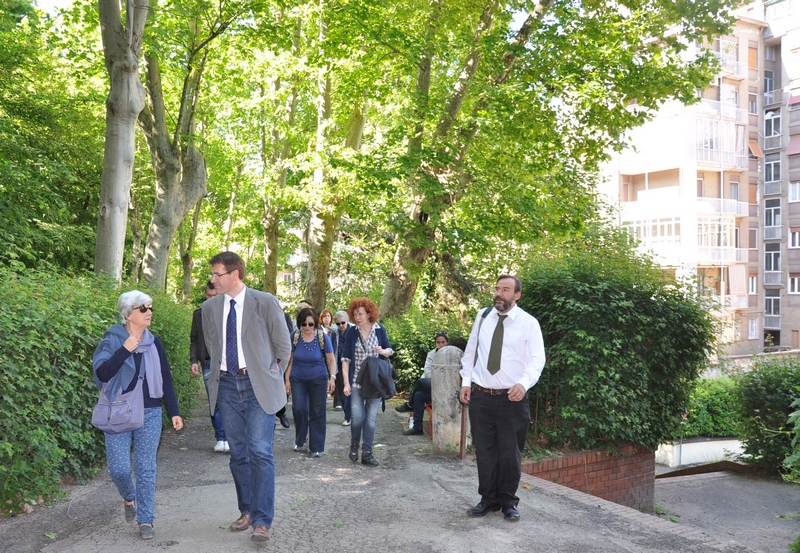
x=216, y=418
x=419, y=397
x=309, y=398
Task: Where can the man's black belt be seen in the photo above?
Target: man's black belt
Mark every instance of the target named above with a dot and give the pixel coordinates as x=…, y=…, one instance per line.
x=240, y=372
x=490, y=391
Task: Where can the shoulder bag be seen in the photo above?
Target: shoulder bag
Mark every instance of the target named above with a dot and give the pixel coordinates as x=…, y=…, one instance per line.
x=124, y=414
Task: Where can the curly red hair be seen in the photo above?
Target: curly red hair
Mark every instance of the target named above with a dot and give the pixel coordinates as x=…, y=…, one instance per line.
x=368, y=305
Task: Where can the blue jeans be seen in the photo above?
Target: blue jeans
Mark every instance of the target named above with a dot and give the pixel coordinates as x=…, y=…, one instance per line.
x=365, y=414
x=309, y=398
x=145, y=446
x=216, y=418
x=419, y=397
x=250, y=432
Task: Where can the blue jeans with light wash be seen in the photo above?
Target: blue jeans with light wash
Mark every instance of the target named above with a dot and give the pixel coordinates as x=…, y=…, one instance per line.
x=309, y=398
x=365, y=414
x=249, y=431
x=145, y=446
x=216, y=418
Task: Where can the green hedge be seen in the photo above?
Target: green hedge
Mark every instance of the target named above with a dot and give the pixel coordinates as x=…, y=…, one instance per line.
x=624, y=343
x=50, y=325
x=713, y=409
x=765, y=395
x=412, y=337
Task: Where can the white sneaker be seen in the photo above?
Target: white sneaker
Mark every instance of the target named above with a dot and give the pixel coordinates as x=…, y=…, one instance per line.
x=346, y=423
x=227, y=448
x=220, y=447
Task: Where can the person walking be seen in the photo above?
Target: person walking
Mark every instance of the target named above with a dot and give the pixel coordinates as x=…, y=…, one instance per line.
x=341, y=401
x=367, y=339
x=245, y=332
x=309, y=379
x=127, y=352
x=503, y=360
x=198, y=355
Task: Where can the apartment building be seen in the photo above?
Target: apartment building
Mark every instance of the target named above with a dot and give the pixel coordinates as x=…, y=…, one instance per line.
x=713, y=189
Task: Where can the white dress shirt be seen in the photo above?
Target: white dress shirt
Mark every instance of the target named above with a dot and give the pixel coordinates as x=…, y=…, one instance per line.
x=522, y=358
x=239, y=298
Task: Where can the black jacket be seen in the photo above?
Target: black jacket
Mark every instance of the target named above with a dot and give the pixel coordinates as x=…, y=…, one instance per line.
x=376, y=379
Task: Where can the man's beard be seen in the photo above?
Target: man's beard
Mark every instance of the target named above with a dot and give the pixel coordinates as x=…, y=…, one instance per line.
x=502, y=305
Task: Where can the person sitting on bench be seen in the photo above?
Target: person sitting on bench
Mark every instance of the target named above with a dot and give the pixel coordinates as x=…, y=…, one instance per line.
x=422, y=389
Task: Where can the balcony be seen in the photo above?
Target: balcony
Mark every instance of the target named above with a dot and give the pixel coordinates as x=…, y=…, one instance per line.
x=772, y=322
x=772, y=97
x=719, y=205
x=725, y=158
x=722, y=110
x=772, y=142
x=771, y=188
x=734, y=301
x=773, y=277
x=773, y=233
x=714, y=255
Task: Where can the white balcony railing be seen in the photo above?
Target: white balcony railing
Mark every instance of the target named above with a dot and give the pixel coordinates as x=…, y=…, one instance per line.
x=719, y=205
x=773, y=97
x=734, y=301
x=712, y=255
x=772, y=233
x=772, y=321
x=724, y=110
x=722, y=157
x=772, y=277
x=772, y=142
x=771, y=188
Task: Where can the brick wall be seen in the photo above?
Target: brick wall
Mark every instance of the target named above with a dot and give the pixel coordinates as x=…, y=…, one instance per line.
x=627, y=478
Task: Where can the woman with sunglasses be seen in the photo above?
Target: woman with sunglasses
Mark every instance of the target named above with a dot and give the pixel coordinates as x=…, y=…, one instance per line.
x=126, y=352
x=309, y=379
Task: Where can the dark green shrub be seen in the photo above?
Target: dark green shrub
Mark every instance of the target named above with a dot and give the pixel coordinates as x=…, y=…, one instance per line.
x=766, y=394
x=411, y=336
x=624, y=344
x=50, y=325
x=713, y=409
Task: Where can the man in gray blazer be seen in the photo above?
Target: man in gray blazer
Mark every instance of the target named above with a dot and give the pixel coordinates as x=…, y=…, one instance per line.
x=245, y=332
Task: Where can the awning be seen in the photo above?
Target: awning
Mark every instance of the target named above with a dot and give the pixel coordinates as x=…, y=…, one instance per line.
x=794, y=145
x=754, y=149
x=794, y=98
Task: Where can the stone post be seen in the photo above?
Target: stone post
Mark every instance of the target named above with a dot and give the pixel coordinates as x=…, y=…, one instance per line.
x=445, y=384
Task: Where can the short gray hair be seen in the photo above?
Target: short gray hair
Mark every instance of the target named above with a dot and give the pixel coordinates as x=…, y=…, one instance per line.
x=342, y=314
x=128, y=300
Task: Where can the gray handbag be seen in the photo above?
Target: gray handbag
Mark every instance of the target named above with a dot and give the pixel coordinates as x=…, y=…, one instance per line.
x=124, y=414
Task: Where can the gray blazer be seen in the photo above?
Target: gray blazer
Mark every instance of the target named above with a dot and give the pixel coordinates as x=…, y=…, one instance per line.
x=265, y=341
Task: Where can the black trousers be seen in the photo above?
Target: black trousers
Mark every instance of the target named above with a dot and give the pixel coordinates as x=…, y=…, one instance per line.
x=499, y=428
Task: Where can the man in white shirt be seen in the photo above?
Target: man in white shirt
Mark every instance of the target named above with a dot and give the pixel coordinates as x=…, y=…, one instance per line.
x=503, y=360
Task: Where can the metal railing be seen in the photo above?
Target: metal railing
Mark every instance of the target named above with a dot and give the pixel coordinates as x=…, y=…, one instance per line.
x=772, y=142
x=773, y=187
x=773, y=277
x=772, y=321
x=773, y=233
x=773, y=97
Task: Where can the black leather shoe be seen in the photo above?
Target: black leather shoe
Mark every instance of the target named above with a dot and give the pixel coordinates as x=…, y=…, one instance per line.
x=368, y=459
x=481, y=509
x=353, y=453
x=512, y=515
x=405, y=408
x=284, y=421
x=416, y=431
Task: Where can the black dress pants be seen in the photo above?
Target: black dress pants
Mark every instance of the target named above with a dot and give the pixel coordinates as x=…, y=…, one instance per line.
x=499, y=428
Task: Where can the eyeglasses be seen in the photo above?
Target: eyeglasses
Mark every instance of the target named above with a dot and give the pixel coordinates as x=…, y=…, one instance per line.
x=212, y=276
x=144, y=308
x=342, y=323
x=308, y=324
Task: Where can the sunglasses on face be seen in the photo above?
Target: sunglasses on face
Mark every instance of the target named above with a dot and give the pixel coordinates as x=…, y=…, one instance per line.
x=144, y=308
x=308, y=324
x=341, y=323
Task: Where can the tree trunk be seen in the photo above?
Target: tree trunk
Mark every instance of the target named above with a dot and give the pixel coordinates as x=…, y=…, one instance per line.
x=126, y=99
x=180, y=170
x=187, y=259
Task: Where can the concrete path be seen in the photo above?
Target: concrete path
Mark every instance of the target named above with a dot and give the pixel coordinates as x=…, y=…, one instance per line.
x=411, y=503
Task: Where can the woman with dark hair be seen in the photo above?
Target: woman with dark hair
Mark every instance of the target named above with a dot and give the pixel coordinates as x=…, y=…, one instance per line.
x=309, y=379
x=367, y=339
x=128, y=352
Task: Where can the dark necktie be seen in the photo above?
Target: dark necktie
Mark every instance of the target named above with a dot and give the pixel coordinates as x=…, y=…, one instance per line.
x=496, y=349
x=231, y=344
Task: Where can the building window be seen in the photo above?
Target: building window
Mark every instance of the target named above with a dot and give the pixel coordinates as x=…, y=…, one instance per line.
x=752, y=285
x=752, y=104
x=701, y=188
x=752, y=329
x=735, y=191
x=769, y=81
x=769, y=53
x=794, y=192
x=794, y=284
x=772, y=213
x=772, y=257
x=794, y=238
x=772, y=167
x=772, y=302
x=772, y=123
x=753, y=236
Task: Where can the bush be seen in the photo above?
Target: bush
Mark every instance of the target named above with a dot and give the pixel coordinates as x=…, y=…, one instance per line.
x=624, y=344
x=713, y=409
x=412, y=337
x=50, y=325
x=766, y=394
